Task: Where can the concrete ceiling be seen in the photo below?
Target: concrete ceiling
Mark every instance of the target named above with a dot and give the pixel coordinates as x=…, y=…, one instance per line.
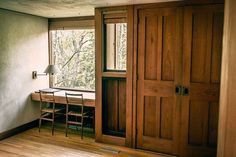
x=65, y=8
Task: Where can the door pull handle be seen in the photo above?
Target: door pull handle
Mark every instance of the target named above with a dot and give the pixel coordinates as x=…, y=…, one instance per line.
x=178, y=90
x=185, y=91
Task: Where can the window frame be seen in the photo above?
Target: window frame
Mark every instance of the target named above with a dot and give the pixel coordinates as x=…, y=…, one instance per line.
x=73, y=23
x=106, y=52
x=113, y=18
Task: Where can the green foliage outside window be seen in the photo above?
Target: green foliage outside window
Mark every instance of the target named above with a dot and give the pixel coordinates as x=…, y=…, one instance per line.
x=122, y=46
x=73, y=51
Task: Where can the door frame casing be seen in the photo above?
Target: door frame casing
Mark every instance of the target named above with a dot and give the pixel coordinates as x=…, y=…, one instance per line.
x=99, y=35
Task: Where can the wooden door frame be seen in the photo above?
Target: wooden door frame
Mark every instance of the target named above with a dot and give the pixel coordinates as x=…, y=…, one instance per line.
x=133, y=10
x=226, y=128
x=99, y=136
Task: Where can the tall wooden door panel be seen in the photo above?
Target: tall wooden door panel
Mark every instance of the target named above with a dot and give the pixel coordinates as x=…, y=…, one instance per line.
x=203, y=28
x=159, y=44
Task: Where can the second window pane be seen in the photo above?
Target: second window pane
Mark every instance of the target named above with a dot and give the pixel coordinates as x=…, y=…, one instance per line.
x=116, y=46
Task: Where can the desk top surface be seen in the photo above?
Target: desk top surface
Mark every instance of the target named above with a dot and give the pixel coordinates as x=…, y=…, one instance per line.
x=89, y=97
x=61, y=93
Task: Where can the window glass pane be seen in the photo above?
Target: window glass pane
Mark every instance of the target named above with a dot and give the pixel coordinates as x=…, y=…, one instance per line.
x=116, y=46
x=73, y=51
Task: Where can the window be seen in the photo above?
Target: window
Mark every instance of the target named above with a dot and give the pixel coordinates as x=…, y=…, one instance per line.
x=116, y=46
x=73, y=51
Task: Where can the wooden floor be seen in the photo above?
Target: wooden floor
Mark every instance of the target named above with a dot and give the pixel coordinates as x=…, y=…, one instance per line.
x=31, y=143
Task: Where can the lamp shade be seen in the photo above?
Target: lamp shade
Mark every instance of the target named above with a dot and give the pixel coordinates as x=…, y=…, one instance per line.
x=51, y=69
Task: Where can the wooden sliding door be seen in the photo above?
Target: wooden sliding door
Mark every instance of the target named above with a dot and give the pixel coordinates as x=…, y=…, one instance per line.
x=159, y=72
x=179, y=47
x=203, y=28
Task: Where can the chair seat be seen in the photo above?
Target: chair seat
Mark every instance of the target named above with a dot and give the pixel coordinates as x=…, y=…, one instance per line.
x=50, y=110
x=74, y=123
x=47, y=119
x=74, y=113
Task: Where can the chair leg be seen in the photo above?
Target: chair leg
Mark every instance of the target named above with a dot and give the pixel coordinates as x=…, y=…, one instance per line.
x=76, y=119
x=52, y=124
x=66, y=124
x=66, y=129
x=67, y=109
x=52, y=128
x=82, y=127
x=40, y=122
x=82, y=131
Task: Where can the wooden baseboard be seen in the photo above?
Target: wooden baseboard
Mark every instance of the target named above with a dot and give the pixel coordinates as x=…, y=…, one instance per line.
x=18, y=129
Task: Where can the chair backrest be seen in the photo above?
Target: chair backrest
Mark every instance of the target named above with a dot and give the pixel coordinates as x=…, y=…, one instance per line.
x=74, y=99
x=46, y=96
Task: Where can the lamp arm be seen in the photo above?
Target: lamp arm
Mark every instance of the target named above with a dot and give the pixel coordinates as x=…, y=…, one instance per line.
x=35, y=74
x=41, y=74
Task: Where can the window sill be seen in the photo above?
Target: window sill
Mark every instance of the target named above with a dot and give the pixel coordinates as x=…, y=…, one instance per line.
x=73, y=89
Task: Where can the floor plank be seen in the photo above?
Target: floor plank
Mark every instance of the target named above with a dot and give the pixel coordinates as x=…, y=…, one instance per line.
x=31, y=143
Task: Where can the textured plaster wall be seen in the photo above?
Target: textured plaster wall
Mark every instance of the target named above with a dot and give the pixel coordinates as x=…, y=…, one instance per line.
x=23, y=48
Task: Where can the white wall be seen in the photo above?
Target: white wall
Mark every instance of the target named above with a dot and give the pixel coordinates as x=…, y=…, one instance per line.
x=23, y=48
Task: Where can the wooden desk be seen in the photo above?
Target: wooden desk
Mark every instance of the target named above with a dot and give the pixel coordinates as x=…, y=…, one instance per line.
x=60, y=98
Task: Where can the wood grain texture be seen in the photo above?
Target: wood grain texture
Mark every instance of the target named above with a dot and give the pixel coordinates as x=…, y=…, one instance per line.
x=18, y=129
x=166, y=118
x=31, y=143
x=137, y=34
x=201, y=62
x=71, y=23
x=114, y=74
x=159, y=71
x=122, y=107
x=150, y=116
x=129, y=78
x=111, y=105
x=151, y=57
x=114, y=108
x=98, y=74
x=226, y=136
x=153, y=34
x=216, y=46
x=200, y=56
x=213, y=123
x=60, y=98
x=168, y=63
x=197, y=123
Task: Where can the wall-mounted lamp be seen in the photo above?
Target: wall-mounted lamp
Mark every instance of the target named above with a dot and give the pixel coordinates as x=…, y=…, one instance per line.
x=51, y=69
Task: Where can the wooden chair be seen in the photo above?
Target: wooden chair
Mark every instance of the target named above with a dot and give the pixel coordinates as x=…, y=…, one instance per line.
x=76, y=101
x=49, y=110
